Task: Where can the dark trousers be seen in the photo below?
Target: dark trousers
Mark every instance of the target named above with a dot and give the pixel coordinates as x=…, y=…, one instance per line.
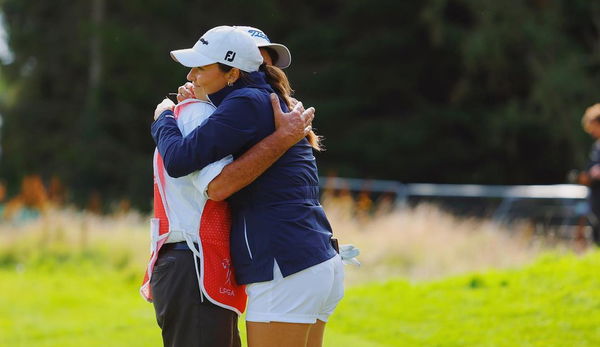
x=594, y=217
x=184, y=318
x=595, y=223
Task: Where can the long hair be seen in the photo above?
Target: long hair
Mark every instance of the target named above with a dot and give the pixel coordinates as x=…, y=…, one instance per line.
x=281, y=85
x=278, y=80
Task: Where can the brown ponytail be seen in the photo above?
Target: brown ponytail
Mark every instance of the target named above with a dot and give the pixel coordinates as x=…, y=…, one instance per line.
x=281, y=85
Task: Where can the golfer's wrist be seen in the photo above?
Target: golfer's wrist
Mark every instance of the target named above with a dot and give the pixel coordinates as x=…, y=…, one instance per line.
x=284, y=138
x=166, y=114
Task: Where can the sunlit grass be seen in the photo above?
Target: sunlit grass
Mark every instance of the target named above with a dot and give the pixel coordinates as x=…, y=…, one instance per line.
x=73, y=306
x=71, y=278
x=555, y=302
x=425, y=242
x=419, y=243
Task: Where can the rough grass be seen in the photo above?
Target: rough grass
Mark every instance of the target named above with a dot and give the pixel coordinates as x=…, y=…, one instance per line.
x=424, y=243
x=71, y=279
x=73, y=306
x=418, y=243
x=555, y=302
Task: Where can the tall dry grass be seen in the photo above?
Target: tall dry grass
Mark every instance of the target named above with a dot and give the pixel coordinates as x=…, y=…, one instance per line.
x=66, y=236
x=421, y=242
x=425, y=242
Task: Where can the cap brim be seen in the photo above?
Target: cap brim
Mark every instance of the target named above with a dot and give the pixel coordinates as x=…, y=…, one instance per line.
x=284, y=57
x=191, y=58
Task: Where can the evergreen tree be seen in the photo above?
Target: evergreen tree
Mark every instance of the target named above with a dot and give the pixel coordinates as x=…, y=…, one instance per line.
x=453, y=91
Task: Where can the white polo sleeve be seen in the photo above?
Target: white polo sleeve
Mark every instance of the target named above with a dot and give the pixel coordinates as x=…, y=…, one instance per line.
x=202, y=178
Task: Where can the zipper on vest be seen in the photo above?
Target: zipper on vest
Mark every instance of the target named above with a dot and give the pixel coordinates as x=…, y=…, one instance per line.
x=246, y=237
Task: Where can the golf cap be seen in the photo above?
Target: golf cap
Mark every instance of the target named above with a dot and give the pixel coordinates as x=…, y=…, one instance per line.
x=224, y=44
x=284, y=57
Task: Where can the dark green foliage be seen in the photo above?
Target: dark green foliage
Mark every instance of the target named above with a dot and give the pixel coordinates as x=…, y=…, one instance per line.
x=450, y=91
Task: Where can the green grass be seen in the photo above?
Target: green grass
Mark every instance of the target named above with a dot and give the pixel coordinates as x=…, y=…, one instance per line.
x=73, y=307
x=554, y=302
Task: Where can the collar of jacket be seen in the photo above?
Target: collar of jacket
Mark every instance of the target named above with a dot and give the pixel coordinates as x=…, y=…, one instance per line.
x=254, y=80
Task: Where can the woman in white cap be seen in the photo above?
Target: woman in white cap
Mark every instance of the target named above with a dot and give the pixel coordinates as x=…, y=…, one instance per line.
x=185, y=275
x=189, y=277
x=274, y=54
x=280, y=236
x=275, y=57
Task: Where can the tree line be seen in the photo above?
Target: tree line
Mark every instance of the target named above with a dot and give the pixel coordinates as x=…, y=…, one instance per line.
x=446, y=91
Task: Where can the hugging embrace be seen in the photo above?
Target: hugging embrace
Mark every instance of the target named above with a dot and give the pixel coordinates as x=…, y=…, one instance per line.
x=238, y=225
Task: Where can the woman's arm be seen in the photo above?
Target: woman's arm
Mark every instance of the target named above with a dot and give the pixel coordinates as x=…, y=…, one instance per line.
x=225, y=132
x=290, y=128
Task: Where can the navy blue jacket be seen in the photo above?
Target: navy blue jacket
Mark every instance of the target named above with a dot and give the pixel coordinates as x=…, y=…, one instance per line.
x=278, y=216
x=594, y=159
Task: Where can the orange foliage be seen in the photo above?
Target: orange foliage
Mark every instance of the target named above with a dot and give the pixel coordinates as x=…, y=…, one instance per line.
x=33, y=192
x=57, y=192
x=2, y=191
x=94, y=204
x=33, y=195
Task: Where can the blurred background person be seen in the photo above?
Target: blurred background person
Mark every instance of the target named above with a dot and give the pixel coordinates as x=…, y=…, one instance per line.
x=591, y=175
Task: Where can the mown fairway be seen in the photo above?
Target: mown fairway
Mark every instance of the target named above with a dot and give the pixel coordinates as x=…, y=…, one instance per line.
x=555, y=302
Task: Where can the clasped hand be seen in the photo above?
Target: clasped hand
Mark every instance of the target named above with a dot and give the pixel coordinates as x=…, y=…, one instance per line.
x=293, y=125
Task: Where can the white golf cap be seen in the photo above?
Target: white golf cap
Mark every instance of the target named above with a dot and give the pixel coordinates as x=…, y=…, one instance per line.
x=284, y=57
x=224, y=44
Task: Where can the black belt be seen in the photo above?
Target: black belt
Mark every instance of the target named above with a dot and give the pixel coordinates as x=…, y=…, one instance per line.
x=177, y=246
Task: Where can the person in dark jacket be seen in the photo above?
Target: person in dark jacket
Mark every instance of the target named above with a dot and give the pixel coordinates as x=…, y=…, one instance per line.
x=591, y=175
x=280, y=237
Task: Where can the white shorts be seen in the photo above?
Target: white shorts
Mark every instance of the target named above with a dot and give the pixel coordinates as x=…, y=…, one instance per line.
x=303, y=297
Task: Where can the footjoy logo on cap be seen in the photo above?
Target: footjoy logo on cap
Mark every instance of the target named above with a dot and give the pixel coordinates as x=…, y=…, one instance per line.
x=258, y=33
x=229, y=56
x=204, y=42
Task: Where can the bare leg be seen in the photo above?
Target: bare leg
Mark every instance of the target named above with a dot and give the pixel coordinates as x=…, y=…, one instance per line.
x=315, y=334
x=275, y=334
